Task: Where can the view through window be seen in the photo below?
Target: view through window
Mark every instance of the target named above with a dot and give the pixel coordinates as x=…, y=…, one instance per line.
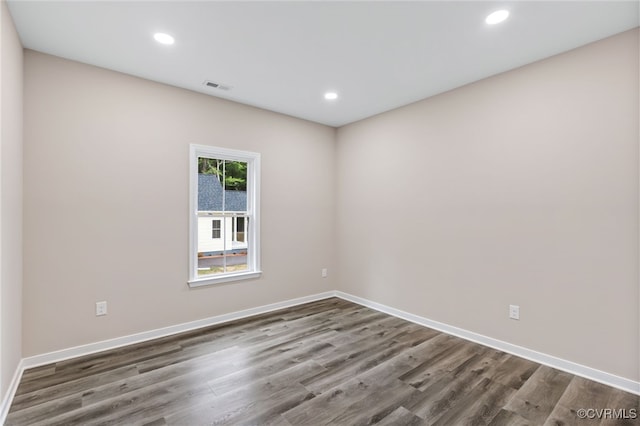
x=226, y=211
x=222, y=195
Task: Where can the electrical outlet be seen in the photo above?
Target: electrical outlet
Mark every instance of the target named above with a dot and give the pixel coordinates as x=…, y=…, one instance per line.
x=324, y=272
x=514, y=312
x=101, y=308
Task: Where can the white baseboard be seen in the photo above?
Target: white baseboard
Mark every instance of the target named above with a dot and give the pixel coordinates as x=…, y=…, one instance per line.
x=551, y=361
x=104, y=345
x=5, y=404
x=541, y=358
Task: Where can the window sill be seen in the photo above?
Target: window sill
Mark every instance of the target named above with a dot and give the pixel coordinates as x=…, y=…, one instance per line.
x=199, y=282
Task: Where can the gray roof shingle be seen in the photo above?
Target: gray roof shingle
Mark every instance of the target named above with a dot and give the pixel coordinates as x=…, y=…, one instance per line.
x=210, y=196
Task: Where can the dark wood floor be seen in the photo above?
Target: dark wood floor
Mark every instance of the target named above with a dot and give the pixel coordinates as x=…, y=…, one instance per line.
x=327, y=362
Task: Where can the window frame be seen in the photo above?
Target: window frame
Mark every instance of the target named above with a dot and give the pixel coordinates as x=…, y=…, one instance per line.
x=252, y=235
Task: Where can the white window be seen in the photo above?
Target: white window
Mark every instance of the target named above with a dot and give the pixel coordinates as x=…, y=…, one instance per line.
x=224, y=215
x=216, y=226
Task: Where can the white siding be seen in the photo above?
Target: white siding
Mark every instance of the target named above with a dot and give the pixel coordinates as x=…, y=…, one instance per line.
x=205, y=241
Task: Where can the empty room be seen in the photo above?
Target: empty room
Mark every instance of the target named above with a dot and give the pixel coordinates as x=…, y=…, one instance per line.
x=319, y=213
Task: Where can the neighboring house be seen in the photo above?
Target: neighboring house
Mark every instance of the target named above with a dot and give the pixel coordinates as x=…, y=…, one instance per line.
x=221, y=218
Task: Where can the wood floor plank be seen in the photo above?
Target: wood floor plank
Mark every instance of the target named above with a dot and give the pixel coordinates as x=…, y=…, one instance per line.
x=376, y=405
x=268, y=411
x=42, y=412
x=127, y=409
x=36, y=373
x=84, y=384
x=343, y=337
x=234, y=407
x=509, y=418
x=260, y=344
x=539, y=395
x=352, y=363
x=434, y=367
x=627, y=408
x=330, y=362
x=452, y=385
x=412, y=357
x=401, y=416
x=95, y=366
x=236, y=401
x=329, y=404
x=266, y=366
x=357, y=348
x=129, y=353
x=514, y=371
x=479, y=406
x=579, y=394
x=140, y=404
x=156, y=422
x=342, y=403
x=202, y=368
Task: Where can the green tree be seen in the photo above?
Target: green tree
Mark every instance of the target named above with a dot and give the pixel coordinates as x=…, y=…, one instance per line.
x=233, y=174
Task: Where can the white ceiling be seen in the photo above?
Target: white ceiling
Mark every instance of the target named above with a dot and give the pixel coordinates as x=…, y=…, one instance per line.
x=282, y=56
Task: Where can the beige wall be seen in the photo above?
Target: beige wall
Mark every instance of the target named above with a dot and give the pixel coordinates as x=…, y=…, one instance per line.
x=106, y=203
x=10, y=200
x=518, y=189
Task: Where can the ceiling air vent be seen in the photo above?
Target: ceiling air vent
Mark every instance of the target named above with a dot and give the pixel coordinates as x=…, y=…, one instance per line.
x=215, y=85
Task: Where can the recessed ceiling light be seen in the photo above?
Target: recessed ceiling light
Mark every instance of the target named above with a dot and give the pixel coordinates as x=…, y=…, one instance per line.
x=163, y=38
x=497, y=17
x=330, y=96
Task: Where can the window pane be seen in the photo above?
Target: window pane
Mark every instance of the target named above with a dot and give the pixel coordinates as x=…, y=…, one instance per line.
x=236, y=255
x=211, y=243
x=234, y=186
x=222, y=216
x=222, y=255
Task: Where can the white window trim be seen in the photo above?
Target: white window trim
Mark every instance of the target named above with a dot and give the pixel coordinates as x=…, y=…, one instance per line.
x=253, y=212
